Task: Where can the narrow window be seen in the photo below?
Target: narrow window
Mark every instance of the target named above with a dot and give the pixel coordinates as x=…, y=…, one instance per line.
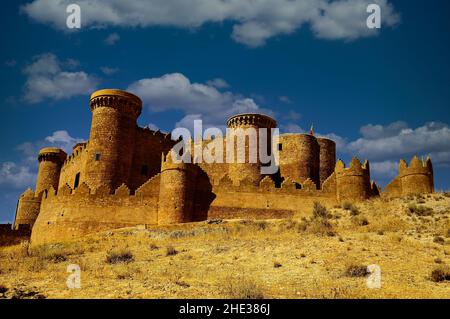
x=97, y=156
x=144, y=170
x=280, y=146
x=77, y=180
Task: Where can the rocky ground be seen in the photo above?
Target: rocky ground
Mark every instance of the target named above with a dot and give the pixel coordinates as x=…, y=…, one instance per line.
x=322, y=253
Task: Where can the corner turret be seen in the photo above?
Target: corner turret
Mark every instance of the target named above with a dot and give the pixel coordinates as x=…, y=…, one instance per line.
x=177, y=189
x=353, y=183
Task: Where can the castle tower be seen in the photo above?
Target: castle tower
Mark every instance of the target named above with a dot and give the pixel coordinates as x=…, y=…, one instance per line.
x=299, y=157
x=248, y=170
x=112, y=137
x=417, y=177
x=353, y=183
x=176, y=193
x=27, y=211
x=327, y=158
x=50, y=162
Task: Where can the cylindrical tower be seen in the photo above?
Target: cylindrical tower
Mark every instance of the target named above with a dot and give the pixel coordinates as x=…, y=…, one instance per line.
x=50, y=162
x=417, y=177
x=299, y=157
x=111, y=142
x=176, y=192
x=327, y=158
x=245, y=128
x=353, y=183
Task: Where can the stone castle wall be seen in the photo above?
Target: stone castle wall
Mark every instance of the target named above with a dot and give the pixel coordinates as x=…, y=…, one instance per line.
x=69, y=214
x=124, y=176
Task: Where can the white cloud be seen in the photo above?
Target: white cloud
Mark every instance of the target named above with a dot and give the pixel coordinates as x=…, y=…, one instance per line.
x=385, y=170
x=397, y=140
x=112, y=39
x=22, y=174
x=16, y=176
x=254, y=22
x=46, y=79
x=218, y=83
x=346, y=19
x=60, y=139
x=175, y=91
x=109, y=71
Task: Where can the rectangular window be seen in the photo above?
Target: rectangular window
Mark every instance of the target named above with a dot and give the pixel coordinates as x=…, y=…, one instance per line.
x=144, y=170
x=77, y=181
x=97, y=156
x=280, y=146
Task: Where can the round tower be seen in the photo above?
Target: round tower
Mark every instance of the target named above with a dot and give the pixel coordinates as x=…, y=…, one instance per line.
x=299, y=157
x=327, y=160
x=111, y=141
x=50, y=162
x=353, y=183
x=417, y=177
x=176, y=193
x=248, y=124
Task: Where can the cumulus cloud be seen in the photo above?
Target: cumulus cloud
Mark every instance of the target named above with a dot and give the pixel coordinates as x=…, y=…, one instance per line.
x=398, y=140
x=385, y=170
x=22, y=174
x=16, y=176
x=218, y=83
x=175, y=91
x=60, y=139
x=112, y=39
x=47, y=80
x=254, y=22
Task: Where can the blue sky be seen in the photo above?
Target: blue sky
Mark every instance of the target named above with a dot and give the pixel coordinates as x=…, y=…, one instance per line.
x=382, y=96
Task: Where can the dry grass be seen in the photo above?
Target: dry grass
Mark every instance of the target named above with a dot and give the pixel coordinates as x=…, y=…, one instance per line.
x=291, y=258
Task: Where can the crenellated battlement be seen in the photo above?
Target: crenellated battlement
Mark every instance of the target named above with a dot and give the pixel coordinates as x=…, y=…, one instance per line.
x=355, y=168
x=123, y=101
x=52, y=154
x=417, y=177
x=251, y=119
x=416, y=166
x=77, y=150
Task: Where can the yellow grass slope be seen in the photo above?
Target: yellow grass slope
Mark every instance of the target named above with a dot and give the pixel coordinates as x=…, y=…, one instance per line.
x=318, y=254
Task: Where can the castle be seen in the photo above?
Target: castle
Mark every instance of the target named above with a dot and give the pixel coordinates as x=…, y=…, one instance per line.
x=125, y=176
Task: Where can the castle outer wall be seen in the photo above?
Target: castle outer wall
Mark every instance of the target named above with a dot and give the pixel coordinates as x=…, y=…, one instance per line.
x=125, y=176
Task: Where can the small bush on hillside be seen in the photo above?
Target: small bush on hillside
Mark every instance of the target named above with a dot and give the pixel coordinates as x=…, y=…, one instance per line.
x=119, y=256
x=242, y=288
x=320, y=211
x=350, y=207
x=419, y=210
x=441, y=273
x=354, y=270
x=171, y=251
x=439, y=240
x=360, y=221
